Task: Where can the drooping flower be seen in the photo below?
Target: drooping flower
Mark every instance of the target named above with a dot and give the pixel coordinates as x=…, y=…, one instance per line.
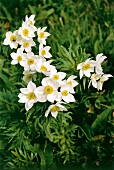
x=27, y=44
x=103, y=78
x=99, y=59
x=55, y=108
x=86, y=67
x=26, y=31
x=12, y=39
x=18, y=57
x=94, y=79
x=42, y=35
x=29, y=76
x=44, y=51
x=48, y=90
x=28, y=95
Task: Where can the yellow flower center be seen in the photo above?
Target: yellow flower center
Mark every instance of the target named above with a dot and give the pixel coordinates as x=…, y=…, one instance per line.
x=55, y=108
x=30, y=61
x=48, y=89
x=64, y=93
x=41, y=35
x=29, y=76
x=43, y=52
x=86, y=67
x=69, y=82
x=31, y=22
x=55, y=77
x=26, y=44
x=19, y=58
x=13, y=38
x=95, y=77
x=43, y=68
x=25, y=32
x=31, y=95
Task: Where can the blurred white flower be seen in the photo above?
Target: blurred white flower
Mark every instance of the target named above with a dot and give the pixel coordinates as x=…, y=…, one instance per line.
x=27, y=44
x=66, y=95
x=29, y=76
x=103, y=78
x=57, y=76
x=28, y=95
x=18, y=57
x=42, y=35
x=30, y=21
x=99, y=59
x=26, y=31
x=48, y=90
x=53, y=109
x=71, y=82
x=43, y=66
x=86, y=67
x=44, y=51
x=30, y=62
x=12, y=39
x=94, y=79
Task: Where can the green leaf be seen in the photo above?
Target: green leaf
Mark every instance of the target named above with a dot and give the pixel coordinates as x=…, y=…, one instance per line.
x=101, y=119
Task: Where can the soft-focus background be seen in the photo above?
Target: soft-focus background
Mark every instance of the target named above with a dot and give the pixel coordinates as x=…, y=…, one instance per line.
x=89, y=24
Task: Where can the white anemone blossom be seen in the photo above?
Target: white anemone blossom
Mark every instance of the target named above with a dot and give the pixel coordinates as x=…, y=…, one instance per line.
x=58, y=76
x=65, y=94
x=12, y=39
x=103, y=78
x=43, y=66
x=28, y=95
x=30, y=62
x=48, y=90
x=44, y=51
x=29, y=76
x=54, y=109
x=86, y=67
x=18, y=57
x=27, y=44
x=99, y=59
x=94, y=79
x=42, y=35
x=71, y=82
x=26, y=31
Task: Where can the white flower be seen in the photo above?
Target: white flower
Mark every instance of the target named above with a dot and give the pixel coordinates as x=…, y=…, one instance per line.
x=28, y=95
x=57, y=76
x=30, y=62
x=26, y=31
x=54, y=109
x=30, y=21
x=86, y=67
x=103, y=78
x=42, y=35
x=99, y=59
x=43, y=66
x=18, y=57
x=71, y=82
x=48, y=90
x=66, y=94
x=29, y=76
x=44, y=51
x=27, y=44
x=94, y=80
x=12, y=39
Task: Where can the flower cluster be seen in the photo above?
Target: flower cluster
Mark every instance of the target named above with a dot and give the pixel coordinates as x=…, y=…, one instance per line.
x=93, y=70
x=55, y=87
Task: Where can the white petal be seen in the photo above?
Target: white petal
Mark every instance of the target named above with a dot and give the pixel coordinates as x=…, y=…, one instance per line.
x=54, y=114
x=31, y=86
